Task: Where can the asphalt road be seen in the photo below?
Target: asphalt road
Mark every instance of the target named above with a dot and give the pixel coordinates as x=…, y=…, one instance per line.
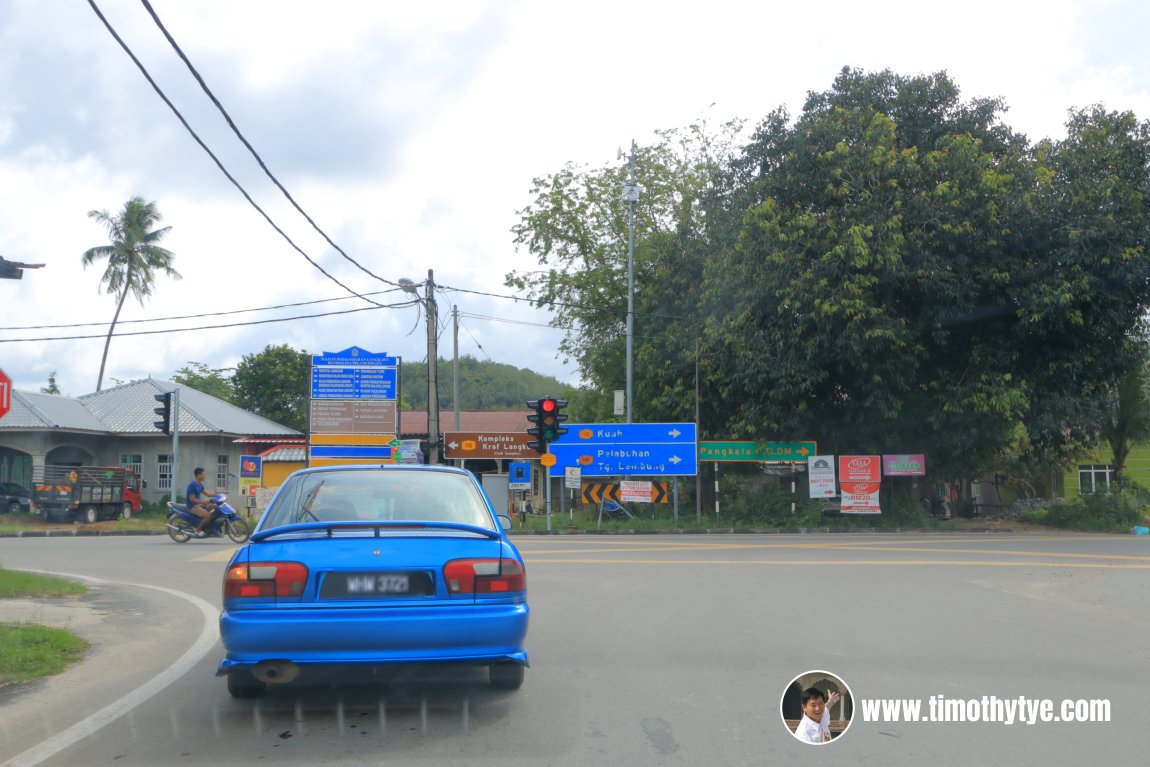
x=644, y=649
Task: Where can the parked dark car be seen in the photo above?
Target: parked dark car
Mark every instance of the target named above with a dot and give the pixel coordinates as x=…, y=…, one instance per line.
x=14, y=498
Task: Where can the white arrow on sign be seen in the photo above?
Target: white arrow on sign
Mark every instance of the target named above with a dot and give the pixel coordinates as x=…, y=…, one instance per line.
x=453, y=445
x=674, y=432
x=675, y=459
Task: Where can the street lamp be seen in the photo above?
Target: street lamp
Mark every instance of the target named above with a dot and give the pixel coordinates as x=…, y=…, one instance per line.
x=428, y=301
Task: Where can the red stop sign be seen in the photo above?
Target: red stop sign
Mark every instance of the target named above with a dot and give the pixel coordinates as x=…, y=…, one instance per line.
x=5, y=394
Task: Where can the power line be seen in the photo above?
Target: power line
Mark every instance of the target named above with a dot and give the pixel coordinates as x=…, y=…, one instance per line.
x=216, y=160
x=508, y=321
x=211, y=314
x=473, y=338
x=566, y=305
x=203, y=327
x=231, y=124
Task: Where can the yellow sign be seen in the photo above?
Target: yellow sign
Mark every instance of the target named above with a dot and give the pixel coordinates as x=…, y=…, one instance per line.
x=350, y=462
x=548, y=459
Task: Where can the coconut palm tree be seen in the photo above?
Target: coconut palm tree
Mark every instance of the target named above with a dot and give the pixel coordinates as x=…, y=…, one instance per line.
x=133, y=257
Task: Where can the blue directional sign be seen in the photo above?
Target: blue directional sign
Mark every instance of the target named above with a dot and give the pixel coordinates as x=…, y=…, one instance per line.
x=354, y=373
x=615, y=449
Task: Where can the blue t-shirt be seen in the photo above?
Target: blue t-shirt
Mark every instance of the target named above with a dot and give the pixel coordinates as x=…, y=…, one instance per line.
x=195, y=490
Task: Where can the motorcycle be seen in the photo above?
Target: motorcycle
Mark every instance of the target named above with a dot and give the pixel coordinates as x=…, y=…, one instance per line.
x=182, y=523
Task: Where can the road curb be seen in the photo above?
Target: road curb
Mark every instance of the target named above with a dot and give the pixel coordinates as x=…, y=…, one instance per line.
x=73, y=533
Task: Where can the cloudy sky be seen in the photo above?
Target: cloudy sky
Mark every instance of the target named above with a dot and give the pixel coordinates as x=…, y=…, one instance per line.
x=410, y=133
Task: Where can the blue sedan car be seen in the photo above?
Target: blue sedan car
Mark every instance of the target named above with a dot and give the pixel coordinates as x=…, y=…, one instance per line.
x=371, y=566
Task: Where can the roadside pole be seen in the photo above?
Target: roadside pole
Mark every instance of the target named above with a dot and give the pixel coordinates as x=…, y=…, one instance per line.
x=175, y=416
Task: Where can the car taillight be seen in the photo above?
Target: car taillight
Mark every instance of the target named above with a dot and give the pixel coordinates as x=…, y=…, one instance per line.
x=484, y=576
x=265, y=579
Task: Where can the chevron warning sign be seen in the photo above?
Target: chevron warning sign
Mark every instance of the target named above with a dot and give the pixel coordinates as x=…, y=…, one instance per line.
x=595, y=493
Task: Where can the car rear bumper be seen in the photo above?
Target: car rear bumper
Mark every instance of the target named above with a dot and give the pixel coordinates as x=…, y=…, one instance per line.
x=374, y=635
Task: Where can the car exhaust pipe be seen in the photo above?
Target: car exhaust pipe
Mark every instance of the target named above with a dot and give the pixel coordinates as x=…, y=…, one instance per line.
x=276, y=671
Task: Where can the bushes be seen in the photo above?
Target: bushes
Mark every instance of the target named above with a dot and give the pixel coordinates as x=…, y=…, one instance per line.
x=1114, y=510
x=767, y=505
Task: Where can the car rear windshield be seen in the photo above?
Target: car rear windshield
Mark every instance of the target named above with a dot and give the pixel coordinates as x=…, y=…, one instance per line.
x=379, y=495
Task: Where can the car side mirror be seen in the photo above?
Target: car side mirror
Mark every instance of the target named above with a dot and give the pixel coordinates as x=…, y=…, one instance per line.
x=505, y=521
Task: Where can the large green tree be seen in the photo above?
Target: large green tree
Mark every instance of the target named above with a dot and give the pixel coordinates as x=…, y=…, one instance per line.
x=1126, y=415
x=577, y=228
x=893, y=270
x=133, y=257
x=274, y=383
x=214, y=381
x=915, y=276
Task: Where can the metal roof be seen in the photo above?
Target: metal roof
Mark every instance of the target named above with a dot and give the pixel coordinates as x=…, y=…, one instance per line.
x=130, y=409
x=34, y=412
x=285, y=454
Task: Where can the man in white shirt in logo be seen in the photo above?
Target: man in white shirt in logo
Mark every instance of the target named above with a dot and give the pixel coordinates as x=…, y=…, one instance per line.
x=815, y=726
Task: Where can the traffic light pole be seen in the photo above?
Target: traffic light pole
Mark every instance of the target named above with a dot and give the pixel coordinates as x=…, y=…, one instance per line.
x=547, y=474
x=175, y=416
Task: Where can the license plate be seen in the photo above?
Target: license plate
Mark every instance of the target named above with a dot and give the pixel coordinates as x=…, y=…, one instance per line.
x=352, y=585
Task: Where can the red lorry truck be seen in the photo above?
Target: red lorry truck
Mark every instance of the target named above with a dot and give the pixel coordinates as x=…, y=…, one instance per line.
x=85, y=493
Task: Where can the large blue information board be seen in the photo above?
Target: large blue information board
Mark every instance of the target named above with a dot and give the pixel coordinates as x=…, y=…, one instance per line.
x=620, y=449
x=354, y=373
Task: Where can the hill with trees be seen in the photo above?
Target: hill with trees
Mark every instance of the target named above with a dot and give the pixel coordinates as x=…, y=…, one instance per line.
x=274, y=383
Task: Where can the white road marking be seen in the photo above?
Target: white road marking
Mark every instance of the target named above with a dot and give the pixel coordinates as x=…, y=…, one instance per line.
x=105, y=716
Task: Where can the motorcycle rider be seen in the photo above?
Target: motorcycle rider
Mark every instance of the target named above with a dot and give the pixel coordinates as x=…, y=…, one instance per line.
x=198, y=503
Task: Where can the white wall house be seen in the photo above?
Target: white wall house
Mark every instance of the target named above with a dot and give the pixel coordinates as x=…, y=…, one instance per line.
x=114, y=427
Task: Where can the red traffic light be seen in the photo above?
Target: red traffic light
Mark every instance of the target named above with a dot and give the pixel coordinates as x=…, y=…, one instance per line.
x=547, y=405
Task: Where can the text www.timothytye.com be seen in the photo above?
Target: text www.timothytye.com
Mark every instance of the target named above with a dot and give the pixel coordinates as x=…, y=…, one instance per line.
x=988, y=708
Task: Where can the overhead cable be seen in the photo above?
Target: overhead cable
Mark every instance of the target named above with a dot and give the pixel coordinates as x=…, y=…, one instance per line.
x=216, y=160
x=231, y=124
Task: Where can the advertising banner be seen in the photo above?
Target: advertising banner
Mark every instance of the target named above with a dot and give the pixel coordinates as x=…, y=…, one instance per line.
x=251, y=473
x=904, y=465
x=635, y=491
x=860, y=468
x=860, y=498
x=859, y=478
x=821, y=476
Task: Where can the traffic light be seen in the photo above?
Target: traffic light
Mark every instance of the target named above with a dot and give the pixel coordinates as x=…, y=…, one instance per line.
x=164, y=412
x=9, y=270
x=547, y=418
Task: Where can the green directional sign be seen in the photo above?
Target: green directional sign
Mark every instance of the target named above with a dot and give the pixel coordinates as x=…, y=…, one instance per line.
x=757, y=451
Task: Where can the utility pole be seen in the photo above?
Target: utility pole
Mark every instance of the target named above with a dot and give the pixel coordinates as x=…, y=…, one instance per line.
x=699, y=436
x=432, y=372
x=455, y=371
x=631, y=194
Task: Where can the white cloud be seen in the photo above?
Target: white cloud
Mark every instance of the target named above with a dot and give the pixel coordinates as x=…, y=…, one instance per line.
x=411, y=134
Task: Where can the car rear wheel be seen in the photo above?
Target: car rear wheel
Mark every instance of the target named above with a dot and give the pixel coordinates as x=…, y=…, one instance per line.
x=14, y=507
x=506, y=676
x=126, y=511
x=241, y=684
x=90, y=515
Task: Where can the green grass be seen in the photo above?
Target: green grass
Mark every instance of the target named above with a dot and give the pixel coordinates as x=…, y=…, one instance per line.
x=28, y=651
x=19, y=584
x=151, y=518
